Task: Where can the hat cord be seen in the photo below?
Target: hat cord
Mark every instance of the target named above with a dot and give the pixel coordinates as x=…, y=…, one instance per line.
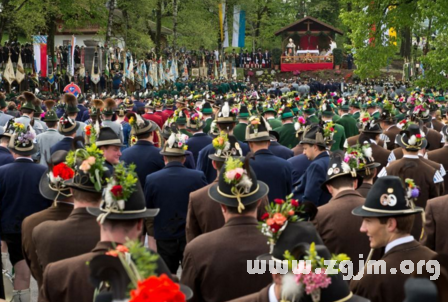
x=238, y=193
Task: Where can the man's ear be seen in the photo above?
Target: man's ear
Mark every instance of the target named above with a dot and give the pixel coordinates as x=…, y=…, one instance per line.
x=391, y=224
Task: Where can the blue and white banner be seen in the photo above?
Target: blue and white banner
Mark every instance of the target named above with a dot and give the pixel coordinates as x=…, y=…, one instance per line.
x=239, y=27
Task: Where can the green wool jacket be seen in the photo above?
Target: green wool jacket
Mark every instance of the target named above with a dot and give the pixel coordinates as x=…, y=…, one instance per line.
x=274, y=123
x=287, y=135
x=240, y=131
x=349, y=124
x=208, y=122
x=336, y=118
x=339, y=138
x=312, y=119
x=185, y=131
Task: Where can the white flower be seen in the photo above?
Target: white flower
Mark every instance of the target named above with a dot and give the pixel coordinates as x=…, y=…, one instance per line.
x=345, y=167
x=245, y=183
x=412, y=140
x=120, y=204
x=296, y=126
x=368, y=152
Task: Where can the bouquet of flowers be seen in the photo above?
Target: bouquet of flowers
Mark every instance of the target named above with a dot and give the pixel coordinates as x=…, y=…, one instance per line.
x=140, y=265
x=278, y=214
x=120, y=187
x=89, y=161
x=254, y=122
x=329, y=131
x=312, y=274
x=24, y=136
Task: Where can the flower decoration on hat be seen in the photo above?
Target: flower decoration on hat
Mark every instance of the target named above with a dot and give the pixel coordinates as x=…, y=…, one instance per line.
x=140, y=265
x=58, y=175
x=118, y=190
x=23, y=136
x=177, y=141
x=91, y=162
x=254, y=122
x=221, y=144
x=412, y=192
x=329, y=131
x=312, y=273
x=236, y=176
x=278, y=214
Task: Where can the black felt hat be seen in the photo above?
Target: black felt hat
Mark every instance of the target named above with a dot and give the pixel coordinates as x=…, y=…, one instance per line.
x=140, y=125
x=411, y=139
x=67, y=126
x=420, y=289
x=53, y=186
x=115, y=206
x=225, y=146
x=110, y=269
x=237, y=185
x=226, y=115
x=387, y=198
x=176, y=144
x=108, y=137
x=339, y=167
x=257, y=129
x=314, y=135
x=195, y=122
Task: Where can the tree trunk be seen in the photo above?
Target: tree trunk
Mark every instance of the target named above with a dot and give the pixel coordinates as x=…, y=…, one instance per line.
x=158, y=27
x=428, y=36
x=406, y=43
x=175, y=8
x=110, y=21
x=51, y=24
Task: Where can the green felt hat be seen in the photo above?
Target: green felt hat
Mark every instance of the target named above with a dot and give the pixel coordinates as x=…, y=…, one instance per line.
x=244, y=113
x=29, y=101
x=109, y=107
x=287, y=113
x=327, y=108
x=206, y=108
x=50, y=115
x=71, y=103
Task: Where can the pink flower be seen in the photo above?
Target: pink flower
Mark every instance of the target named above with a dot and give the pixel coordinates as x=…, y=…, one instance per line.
x=232, y=173
x=91, y=160
x=85, y=167
x=301, y=120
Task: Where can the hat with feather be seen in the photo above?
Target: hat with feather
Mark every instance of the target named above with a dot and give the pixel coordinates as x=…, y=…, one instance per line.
x=140, y=125
x=227, y=113
x=50, y=115
x=71, y=103
x=95, y=108
x=28, y=100
x=109, y=107
x=176, y=144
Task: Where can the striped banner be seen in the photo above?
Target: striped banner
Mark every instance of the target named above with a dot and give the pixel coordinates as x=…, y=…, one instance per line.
x=40, y=55
x=239, y=27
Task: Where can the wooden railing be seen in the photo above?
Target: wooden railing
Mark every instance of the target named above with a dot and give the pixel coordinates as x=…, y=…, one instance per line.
x=306, y=58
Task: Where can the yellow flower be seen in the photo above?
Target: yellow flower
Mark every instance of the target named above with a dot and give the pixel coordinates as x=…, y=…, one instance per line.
x=131, y=120
x=185, y=148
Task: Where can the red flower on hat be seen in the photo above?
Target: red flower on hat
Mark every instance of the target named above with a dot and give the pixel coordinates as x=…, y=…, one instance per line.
x=294, y=202
x=63, y=171
x=279, y=201
x=157, y=289
x=418, y=136
x=275, y=227
x=264, y=216
x=117, y=191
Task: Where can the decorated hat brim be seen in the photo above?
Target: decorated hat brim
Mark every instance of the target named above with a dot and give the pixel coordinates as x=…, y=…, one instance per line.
x=124, y=216
x=272, y=110
x=63, y=132
x=364, y=211
x=196, y=129
x=216, y=158
x=168, y=153
x=400, y=141
x=24, y=152
x=112, y=142
x=287, y=115
x=328, y=181
x=48, y=193
x=71, y=184
x=213, y=193
x=373, y=165
x=259, y=139
x=311, y=142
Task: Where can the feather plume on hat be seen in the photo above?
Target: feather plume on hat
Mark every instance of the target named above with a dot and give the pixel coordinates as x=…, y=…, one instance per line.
x=29, y=96
x=49, y=104
x=98, y=104
x=70, y=100
x=21, y=99
x=37, y=102
x=110, y=103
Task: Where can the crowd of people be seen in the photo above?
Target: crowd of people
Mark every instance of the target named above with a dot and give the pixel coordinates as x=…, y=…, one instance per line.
x=210, y=176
